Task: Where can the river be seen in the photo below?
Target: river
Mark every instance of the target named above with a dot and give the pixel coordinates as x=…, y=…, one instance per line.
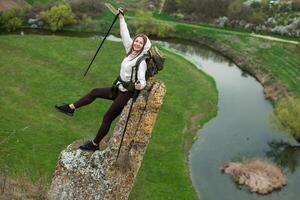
x=241, y=130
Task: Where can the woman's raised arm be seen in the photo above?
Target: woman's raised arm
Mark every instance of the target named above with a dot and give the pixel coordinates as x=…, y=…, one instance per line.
x=127, y=41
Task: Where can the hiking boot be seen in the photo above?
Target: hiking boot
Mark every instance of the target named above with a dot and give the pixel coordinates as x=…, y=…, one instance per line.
x=64, y=108
x=89, y=146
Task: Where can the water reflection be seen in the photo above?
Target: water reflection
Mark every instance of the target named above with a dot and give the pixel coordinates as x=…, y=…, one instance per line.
x=284, y=155
x=192, y=50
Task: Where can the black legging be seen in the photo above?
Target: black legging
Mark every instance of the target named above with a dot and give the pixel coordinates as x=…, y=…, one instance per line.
x=119, y=98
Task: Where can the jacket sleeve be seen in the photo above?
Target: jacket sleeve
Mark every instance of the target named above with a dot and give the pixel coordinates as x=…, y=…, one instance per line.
x=127, y=41
x=142, y=73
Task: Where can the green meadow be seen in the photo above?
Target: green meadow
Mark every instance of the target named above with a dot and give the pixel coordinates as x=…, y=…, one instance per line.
x=280, y=60
x=32, y=2
x=38, y=72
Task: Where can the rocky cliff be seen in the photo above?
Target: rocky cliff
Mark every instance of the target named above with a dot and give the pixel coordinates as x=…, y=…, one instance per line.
x=97, y=175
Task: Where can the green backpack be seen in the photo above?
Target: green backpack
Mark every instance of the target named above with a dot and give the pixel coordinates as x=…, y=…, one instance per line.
x=154, y=60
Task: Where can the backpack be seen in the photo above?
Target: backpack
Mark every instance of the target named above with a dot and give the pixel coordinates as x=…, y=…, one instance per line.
x=154, y=60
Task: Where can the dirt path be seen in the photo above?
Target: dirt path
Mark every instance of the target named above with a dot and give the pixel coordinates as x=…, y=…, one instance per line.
x=274, y=38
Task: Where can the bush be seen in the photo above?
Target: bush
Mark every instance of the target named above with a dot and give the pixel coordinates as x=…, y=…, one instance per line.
x=281, y=30
x=197, y=10
x=222, y=21
x=291, y=29
x=34, y=11
x=285, y=7
x=257, y=18
x=286, y=116
x=90, y=8
x=234, y=9
x=296, y=6
x=143, y=14
x=58, y=16
x=171, y=6
x=12, y=19
x=86, y=20
x=152, y=27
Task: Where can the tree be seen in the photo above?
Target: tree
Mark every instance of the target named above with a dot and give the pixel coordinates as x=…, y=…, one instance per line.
x=265, y=7
x=149, y=26
x=296, y=6
x=286, y=116
x=199, y=9
x=153, y=27
x=90, y=8
x=12, y=19
x=235, y=9
x=172, y=6
x=256, y=5
x=58, y=16
x=257, y=17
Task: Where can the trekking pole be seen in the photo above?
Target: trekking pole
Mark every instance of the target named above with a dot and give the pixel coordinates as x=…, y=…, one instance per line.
x=134, y=97
x=116, y=17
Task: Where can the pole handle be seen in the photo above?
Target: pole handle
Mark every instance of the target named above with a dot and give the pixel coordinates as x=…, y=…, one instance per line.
x=121, y=11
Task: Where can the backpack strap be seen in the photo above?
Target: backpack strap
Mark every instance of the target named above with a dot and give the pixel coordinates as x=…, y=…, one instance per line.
x=130, y=84
x=136, y=66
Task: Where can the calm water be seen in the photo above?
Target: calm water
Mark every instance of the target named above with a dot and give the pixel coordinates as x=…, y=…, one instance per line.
x=240, y=130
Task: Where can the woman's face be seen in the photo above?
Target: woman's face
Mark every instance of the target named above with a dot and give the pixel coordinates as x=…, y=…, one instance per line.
x=138, y=44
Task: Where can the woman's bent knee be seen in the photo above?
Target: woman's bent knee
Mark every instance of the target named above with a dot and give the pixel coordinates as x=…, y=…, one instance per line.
x=94, y=91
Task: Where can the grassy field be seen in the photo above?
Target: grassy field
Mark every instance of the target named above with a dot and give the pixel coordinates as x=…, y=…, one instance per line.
x=32, y=2
x=278, y=59
x=38, y=72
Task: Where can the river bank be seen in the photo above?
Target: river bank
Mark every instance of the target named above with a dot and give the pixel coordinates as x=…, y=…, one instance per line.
x=273, y=88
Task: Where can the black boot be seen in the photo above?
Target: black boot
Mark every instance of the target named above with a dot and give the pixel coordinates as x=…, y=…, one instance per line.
x=89, y=146
x=64, y=108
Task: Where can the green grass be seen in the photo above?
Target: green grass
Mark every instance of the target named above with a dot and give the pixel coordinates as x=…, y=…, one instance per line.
x=284, y=64
x=38, y=72
x=32, y=2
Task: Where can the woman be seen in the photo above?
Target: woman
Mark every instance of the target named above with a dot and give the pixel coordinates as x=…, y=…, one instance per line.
x=135, y=49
